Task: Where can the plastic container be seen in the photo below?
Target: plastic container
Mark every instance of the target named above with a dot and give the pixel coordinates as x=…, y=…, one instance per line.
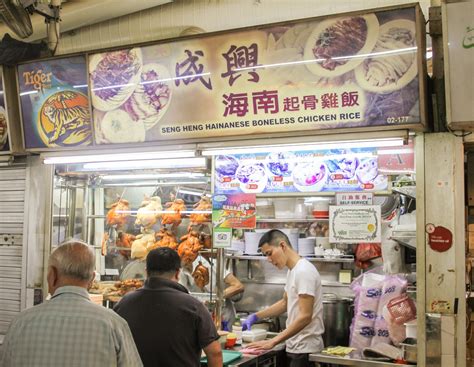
x=231, y=340
x=321, y=209
x=265, y=209
x=254, y=335
x=237, y=330
x=284, y=208
x=237, y=245
x=300, y=209
x=411, y=329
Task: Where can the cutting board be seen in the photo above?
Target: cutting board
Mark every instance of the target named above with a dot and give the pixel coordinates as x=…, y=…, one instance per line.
x=227, y=356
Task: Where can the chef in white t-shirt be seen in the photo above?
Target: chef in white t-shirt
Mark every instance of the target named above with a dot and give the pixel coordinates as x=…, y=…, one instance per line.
x=302, y=301
x=233, y=286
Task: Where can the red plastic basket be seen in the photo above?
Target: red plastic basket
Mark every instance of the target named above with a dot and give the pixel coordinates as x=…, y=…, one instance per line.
x=402, y=309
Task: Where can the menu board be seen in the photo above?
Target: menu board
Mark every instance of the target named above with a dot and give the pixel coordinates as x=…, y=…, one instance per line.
x=346, y=71
x=54, y=103
x=4, y=146
x=300, y=171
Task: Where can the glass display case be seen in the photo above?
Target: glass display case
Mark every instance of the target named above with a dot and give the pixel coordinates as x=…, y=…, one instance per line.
x=124, y=214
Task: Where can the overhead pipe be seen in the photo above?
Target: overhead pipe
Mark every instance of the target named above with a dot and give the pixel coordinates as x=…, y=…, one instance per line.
x=77, y=14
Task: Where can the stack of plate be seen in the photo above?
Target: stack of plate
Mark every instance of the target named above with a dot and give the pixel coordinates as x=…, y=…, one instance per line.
x=251, y=242
x=238, y=246
x=306, y=246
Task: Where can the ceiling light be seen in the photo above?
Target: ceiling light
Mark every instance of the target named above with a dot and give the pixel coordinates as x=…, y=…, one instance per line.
x=372, y=143
x=150, y=163
x=119, y=157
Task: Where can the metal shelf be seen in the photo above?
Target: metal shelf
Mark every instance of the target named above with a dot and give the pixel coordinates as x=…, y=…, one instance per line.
x=341, y=259
x=279, y=220
x=405, y=238
x=409, y=191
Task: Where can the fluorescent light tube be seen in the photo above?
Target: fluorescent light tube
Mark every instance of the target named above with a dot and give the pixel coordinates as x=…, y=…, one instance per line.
x=155, y=184
x=119, y=157
x=191, y=192
x=150, y=163
x=152, y=176
x=373, y=143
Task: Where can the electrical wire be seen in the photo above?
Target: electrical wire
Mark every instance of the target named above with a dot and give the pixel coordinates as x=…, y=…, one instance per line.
x=48, y=24
x=462, y=135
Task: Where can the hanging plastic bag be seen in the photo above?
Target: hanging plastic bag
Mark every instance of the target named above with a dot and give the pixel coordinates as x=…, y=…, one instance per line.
x=365, y=252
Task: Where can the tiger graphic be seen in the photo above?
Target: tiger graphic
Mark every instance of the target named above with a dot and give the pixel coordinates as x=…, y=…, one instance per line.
x=66, y=119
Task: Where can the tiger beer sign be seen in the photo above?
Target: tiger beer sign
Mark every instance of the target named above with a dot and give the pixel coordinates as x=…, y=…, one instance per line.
x=55, y=103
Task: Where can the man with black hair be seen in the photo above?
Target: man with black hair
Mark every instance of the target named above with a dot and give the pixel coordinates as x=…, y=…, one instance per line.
x=302, y=301
x=169, y=326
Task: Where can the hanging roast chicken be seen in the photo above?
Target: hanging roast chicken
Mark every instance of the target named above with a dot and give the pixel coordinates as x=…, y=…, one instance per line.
x=149, y=212
x=165, y=238
x=190, y=246
x=118, y=213
x=204, y=205
x=201, y=275
x=172, y=214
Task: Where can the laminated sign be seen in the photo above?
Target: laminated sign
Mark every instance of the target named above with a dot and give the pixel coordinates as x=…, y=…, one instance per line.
x=55, y=104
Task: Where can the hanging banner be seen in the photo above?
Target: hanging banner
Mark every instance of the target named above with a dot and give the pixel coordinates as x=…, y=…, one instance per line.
x=300, y=171
x=346, y=71
x=4, y=145
x=354, y=224
x=234, y=211
x=54, y=103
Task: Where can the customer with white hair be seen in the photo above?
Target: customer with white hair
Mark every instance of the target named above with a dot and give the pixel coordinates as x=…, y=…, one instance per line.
x=69, y=330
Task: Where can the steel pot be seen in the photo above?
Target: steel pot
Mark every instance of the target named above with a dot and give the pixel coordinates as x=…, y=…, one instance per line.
x=337, y=317
x=409, y=352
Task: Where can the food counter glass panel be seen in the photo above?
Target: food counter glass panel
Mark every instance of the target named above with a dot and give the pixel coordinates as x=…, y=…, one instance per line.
x=125, y=215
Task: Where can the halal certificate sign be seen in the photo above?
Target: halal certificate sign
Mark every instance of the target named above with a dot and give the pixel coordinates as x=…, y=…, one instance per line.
x=354, y=224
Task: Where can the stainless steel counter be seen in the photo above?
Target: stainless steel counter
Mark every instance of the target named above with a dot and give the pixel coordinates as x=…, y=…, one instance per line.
x=324, y=358
x=269, y=358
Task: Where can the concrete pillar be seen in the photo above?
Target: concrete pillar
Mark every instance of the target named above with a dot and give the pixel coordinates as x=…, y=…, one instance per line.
x=441, y=187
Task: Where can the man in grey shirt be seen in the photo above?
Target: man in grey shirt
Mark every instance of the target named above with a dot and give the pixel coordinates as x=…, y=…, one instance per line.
x=69, y=330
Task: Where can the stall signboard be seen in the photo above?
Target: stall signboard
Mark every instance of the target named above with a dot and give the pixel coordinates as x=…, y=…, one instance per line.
x=55, y=104
x=4, y=144
x=335, y=170
x=234, y=211
x=458, y=31
x=355, y=224
x=347, y=71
